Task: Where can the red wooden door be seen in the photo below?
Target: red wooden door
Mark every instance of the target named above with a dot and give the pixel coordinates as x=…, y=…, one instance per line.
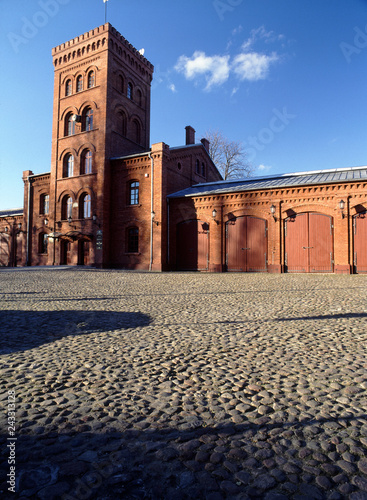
x=309, y=243
x=256, y=245
x=192, y=246
x=360, y=242
x=246, y=244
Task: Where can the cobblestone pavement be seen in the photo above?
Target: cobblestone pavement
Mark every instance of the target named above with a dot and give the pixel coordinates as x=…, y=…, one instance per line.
x=183, y=386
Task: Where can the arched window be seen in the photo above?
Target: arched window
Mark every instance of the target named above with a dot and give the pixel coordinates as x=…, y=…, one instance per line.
x=91, y=79
x=137, y=133
x=69, y=124
x=86, y=162
x=43, y=243
x=133, y=193
x=139, y=97
x=122, y=123
x=85, y=206
x=129, y=91
x=197, y=167
x=79, y=83
x=68, y=88
x=120, y=83
x=203, y=169
x=44, y=204
x=68, y=166
x=133, y=240
x=88, y=120
x=67, y=208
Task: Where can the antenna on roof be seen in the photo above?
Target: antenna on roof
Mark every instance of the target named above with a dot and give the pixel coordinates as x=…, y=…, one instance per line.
x=105, y=10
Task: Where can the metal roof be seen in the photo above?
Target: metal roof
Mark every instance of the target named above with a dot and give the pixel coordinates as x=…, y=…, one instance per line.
x=11, y=212
x=275, y=181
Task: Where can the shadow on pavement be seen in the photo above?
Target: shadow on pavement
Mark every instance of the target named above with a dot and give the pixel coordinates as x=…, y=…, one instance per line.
x=23, y=330
x=276, y=461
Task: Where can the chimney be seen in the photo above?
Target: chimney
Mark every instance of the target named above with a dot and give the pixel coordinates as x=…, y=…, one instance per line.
x=190, y=135
x=205, y=143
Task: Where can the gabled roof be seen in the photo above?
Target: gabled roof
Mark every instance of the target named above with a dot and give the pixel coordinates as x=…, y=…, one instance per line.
x=12, y=212
x=275, y=181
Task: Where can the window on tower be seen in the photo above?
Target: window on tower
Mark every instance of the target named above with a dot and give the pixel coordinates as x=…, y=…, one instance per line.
x=85, y=206
x=67, y=208
x=88, y=120
x=79, y=83
x=129, y=91
x=68, y=166
x=87, y=162
x=68, y=88
x=91, y=79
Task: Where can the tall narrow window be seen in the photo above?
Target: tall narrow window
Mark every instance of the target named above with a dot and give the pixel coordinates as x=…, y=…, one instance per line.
x=69, y=124
x=133, y=240
x=43, y=243
x=68, y=166
x=139, y=98
x=120, y=83
x=197, y=167
x=87, y=162
x=129, y=91
x=137, y=132
x=88, y=120
x=67, y=208
x=122, y=123
x=79, y=83
x=85, y=206
x=68, y=88
x=134, y=193
x=44, y=204
x=91, y=79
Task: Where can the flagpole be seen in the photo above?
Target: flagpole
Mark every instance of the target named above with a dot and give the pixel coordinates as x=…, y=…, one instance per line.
x=105, y=11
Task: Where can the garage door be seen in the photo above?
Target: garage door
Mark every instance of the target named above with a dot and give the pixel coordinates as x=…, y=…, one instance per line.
x=360, y=242
x=246, y=244
x=309, y=243
x=192, y=246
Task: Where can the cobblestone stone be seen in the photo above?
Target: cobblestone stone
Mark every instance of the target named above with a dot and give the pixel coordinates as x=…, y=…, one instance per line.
x=215, y=386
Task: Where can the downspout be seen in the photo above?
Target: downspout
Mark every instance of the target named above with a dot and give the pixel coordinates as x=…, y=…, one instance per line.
x=168, y=235
x=151, y=208
x=28, y=219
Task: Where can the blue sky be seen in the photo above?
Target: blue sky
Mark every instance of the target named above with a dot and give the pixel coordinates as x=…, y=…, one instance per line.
x=287, y=78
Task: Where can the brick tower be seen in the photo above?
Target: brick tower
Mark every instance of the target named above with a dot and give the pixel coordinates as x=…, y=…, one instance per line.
x=101, y=109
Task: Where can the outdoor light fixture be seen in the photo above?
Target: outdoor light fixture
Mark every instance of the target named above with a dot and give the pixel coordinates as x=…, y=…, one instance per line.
x=214, y=214
x=69, y=219
x=45, y=222
x=341, y=206
x=155, y=221
x=272, y=211
x=6, y=229
x=20, y=226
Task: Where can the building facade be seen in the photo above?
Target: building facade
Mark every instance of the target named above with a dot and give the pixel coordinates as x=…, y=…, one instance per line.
x=112, y=200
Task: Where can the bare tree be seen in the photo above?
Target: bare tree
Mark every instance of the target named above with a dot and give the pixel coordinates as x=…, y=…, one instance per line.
x=228, y=156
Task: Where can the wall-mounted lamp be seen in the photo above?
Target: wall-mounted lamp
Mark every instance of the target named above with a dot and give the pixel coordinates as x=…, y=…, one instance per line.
x=155, y=221
x=341, y=207
x=273, y=209
x=6, y=229
x=45, y=222
x=214, y=214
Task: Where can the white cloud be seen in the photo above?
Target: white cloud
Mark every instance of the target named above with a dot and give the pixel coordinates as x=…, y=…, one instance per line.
x=215, y=69
x=260, y=34
x=172, y=87
x=248, y=64
x=253, y=66
x=264, y=168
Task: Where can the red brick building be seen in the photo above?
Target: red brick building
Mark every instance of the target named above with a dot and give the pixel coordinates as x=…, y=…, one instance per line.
x=111, y=200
